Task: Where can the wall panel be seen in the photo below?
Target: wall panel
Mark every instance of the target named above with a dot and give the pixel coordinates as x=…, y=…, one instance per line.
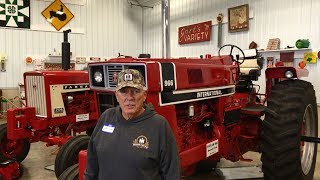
x=288, y=20
x=101, y=28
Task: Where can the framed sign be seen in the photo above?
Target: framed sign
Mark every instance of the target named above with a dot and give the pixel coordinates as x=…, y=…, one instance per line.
x=238, y=18
x=195, y=33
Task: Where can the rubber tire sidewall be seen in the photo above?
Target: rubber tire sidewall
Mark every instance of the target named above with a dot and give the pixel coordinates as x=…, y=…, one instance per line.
x=69, y=152
x=281, y=135
x=71, y=173
x=25, y=149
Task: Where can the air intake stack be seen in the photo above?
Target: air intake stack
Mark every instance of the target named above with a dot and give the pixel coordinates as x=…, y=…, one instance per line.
x=66, y=51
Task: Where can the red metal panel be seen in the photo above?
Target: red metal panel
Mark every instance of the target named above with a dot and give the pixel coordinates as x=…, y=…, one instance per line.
x=279, y=72
x=217, y=71
x=18, y=121
x=195, y=33
x=82, y=164
x=154, y=77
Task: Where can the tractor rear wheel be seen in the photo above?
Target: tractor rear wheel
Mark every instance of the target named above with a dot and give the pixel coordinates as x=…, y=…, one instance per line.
x=71, y=173
x=13, y=149
x=68, y=154
x=292, y=112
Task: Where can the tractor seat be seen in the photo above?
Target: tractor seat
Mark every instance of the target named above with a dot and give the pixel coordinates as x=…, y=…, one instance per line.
x=251, y=67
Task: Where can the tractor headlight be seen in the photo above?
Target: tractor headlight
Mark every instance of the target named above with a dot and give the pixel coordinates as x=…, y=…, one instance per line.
x=98, y=77
x=288, y=74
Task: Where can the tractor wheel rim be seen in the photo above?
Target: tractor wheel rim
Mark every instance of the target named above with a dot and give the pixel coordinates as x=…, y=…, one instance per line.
x=307, y=147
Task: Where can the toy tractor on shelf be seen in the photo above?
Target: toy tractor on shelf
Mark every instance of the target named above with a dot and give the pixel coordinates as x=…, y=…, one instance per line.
x=215, y=111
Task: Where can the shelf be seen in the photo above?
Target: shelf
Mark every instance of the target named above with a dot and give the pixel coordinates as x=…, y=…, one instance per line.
x=284, y=50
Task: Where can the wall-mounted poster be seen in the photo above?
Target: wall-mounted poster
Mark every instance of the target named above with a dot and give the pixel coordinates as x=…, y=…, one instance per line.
x=238, y=18
x=15, y=13
x=57, y=14
x=195, y=33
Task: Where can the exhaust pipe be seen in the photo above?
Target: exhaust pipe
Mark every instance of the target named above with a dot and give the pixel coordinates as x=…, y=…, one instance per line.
x=66, y=51
x=165, y=29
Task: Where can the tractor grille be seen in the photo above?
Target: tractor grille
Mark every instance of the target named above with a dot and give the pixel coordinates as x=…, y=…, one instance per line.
x=35, y=94
x=111, y=70
x=107, y=73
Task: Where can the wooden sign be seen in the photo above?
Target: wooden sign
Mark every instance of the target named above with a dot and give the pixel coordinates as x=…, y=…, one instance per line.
x=195, y=33
x=273, y=44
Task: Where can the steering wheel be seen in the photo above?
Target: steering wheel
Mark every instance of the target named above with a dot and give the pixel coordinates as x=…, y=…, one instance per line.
x=231, y=50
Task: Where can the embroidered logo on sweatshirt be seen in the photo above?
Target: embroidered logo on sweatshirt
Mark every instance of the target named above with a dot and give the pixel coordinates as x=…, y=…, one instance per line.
x=141, y=142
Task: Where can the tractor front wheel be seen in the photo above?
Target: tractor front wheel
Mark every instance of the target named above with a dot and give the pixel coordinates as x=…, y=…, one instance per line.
x=69, y=152
x=13, y=149
x=291, y=113
x=71, y=173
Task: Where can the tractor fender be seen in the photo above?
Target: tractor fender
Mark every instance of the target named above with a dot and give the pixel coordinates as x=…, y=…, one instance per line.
x=278, y=72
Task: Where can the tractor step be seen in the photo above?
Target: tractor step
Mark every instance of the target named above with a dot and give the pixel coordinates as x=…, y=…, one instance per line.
x=310, y=139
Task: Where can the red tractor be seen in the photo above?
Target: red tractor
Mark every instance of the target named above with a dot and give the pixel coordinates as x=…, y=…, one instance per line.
x=215, y=111
x=59, y=105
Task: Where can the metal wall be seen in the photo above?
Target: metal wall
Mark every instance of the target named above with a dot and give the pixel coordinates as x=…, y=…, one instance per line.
x=101, y=28
x=288, y=20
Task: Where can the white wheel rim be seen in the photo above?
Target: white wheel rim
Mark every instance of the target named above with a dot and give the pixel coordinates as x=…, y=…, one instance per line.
x=308, y=147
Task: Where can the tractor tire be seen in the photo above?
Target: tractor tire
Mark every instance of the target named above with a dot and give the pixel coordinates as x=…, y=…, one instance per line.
x=71, y=173
x=13, y=149
x=291, y=112
x=68, y=154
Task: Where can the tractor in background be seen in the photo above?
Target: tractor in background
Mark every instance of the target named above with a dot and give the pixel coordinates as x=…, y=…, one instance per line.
x=216, y=111
x=59, y=105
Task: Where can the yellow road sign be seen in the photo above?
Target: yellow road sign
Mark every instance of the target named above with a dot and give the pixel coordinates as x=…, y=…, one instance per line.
x=57, y=14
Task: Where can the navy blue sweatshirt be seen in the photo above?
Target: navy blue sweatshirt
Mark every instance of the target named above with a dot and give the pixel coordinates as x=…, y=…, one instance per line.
x=142, y=148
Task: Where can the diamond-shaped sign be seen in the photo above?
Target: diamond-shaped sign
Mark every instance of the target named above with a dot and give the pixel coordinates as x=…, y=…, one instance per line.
x=57, y=14
x=15, y=13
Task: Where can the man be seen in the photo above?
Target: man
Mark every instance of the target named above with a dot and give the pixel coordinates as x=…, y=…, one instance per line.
x=132, y=141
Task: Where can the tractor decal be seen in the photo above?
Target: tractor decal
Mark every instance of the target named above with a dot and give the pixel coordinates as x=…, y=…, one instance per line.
x=182, y=96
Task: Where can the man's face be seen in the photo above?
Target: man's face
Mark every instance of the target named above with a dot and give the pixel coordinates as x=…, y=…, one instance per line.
x=131, y=101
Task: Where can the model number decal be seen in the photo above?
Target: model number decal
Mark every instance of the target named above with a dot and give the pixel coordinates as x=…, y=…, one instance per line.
x=168, y=82
x=58, y=110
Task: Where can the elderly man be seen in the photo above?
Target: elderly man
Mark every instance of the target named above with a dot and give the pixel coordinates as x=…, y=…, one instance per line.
x=132, y=141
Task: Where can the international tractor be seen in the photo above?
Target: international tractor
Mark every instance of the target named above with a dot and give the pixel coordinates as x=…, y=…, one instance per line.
x=59, y=105
x=216, y=111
